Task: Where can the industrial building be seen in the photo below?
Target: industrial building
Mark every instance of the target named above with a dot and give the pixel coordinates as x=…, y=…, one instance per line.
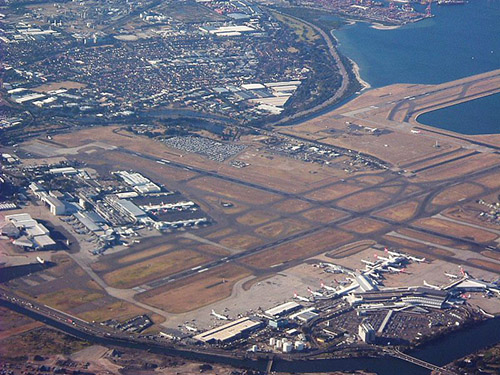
x=33, y=235
x=230, y=331
x=366, y=332
x=283, y=309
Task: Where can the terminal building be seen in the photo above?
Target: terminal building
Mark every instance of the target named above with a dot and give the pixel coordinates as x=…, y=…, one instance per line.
x=229, y=332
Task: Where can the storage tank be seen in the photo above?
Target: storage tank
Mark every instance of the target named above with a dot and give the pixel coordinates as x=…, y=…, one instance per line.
x=254, y=348
x=272, y=341
x=279, y=344
x=287, y=347
x=299, y=346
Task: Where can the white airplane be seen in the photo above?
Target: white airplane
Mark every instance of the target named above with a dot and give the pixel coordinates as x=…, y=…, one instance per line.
x=367, y=262
x=315, y=294
x=464, y=272
x=189, y=328
x=394, y=269
x=431, y=286
x=451, y=276
x=330, y=288
x=415, y=131
x=300, y=298
x=40, y=260
x=394, y=253
x=415, y=259
x=219, y=316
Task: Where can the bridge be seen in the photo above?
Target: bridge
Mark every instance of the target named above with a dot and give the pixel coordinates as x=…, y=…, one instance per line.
x=419, y=362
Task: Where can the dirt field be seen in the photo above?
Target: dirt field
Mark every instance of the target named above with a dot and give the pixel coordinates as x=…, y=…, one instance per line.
x=458, y=168
x=69, y=298
x=256, y=217
x=240, y=241
x=59, y=85
x=135, y=257
x=333, y=192
x=491, y=181
x=458, y=230
x=291, y=206
x=233, y=191
x=399, y=213
x=364, y=225
x=495, y=267
x=457, y=193
x=364, y=201
x=281, y=228
x=323, y=214
x=151, y=269
x=118, y=310
x=303, y=248
x=196, y=291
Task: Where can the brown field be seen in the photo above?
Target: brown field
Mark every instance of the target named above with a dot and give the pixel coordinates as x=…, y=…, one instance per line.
x=391, y=189
x=281, y=228
x=495, y=267
x=13, y=323
x=221, y=233
x=400, y=212
x=69, y=298
x=491, y=181
x=333, y=192
x=370, y=179
x=256, y=217
x=323, y=214
x=427, y=163
x=134, y=257
x=291, y=206
x=350, y=249
x=458, y=168
x=59, y=85
x=457, y=230
x=153, y=170
x=119, y=310
x=364, y=201
x=213, y=250
x=302, y=248
x=434, y=239
x=151, y=269
x=240, y=241
x=196, y=291
x=233, y=191
x=491, y=254
x=417, y=249
x=216, y=201
x=364, y=225
x=456, y=194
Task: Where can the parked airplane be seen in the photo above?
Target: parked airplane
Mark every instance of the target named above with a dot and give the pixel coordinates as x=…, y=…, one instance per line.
x=219, y=316
x=451, y=276
x=330, y=288
x=315, y=294
x=40, y=260
x=189, y=328
x=415, y=259
x=464, y=272
x=415, y=131
x=431, y=286
x=367, y=262
x=394, y=269
x=300, y=298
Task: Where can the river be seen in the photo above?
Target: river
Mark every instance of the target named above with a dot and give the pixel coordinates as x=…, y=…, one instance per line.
x=439, y=352
x=460, y=41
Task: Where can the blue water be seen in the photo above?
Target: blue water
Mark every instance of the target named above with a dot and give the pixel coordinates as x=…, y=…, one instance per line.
x=467, y=118
x=459, y=41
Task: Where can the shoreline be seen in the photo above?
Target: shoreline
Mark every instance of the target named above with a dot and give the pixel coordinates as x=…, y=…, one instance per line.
x=379, y=26
x=355, y=68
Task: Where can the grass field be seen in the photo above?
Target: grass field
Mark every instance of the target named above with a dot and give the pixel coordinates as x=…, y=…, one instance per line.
x=304, y=32
x=152, y=269
x=240, y=241
x=135, y=257
x=491, y=181
x=196, y=291
x=69, y=298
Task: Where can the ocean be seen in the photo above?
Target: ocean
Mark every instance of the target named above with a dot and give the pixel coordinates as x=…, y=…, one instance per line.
x=461, y=40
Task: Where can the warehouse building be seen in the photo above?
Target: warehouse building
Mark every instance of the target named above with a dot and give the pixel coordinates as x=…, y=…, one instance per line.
x=230, y=331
